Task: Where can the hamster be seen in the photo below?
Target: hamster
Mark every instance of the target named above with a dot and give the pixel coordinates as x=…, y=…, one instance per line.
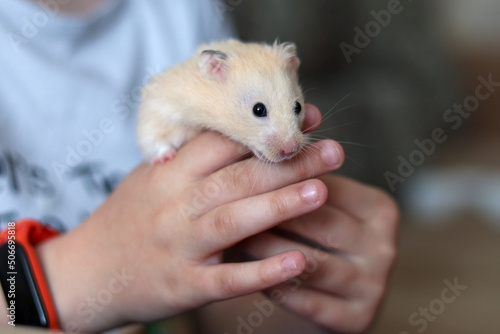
x=249, y=92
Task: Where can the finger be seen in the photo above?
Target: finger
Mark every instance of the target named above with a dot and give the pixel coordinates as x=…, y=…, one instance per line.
x=228, y=224
x=253, y=177
x=235, y=279
x=327, y=227
x=324, y=271
x=208, y=152
x=366, y=203
x=332, y=312
x=312, y=119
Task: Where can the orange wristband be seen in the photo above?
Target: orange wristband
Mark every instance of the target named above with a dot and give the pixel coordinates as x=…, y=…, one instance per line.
x=22, y=277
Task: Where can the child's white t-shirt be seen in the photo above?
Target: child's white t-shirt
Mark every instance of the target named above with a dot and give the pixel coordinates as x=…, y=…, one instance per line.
x=69, y=91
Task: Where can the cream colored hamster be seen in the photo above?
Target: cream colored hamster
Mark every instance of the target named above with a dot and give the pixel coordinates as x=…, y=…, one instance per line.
x=246, y=91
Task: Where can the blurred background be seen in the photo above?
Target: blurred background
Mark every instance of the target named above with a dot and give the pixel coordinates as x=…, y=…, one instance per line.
x=414, y=96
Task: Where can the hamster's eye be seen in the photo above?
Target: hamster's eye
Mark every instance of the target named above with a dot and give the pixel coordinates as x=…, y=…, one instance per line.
x=260, y=110
x=298, y=108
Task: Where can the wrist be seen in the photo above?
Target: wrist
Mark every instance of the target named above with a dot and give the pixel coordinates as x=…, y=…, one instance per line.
x=67, y=273
x=45, y=253
x=74, y=264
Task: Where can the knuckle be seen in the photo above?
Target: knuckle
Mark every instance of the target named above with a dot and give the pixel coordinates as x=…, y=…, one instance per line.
x=225, y=224
x=387, y=209
x=348, y=319
x=373, y=290
x=172, y=292
x=361, y=325
x=311, y=308
x=378, y=292
x=226, y=283
x=344, y=278
x=364, y=316
x=263, y=276
x=198, y=231
x=239, y=178
x=373, y=293
x=279, y=205
x=387, y=252
x=304, y=168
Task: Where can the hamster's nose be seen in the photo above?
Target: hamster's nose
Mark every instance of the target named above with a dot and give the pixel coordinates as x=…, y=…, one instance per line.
x=288, y=149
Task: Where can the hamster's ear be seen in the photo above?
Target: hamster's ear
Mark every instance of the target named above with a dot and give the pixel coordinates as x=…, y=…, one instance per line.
x=288, y=51
x=213, y=64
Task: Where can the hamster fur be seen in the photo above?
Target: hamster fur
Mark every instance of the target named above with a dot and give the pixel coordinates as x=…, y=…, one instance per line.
x=218, y=89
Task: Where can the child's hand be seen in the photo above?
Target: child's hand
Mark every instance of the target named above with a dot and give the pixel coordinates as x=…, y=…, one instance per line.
x=342, y=289
x=154, y=248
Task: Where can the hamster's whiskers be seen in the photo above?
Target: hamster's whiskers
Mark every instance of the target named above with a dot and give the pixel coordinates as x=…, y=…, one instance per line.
x=251, y=173
x=330, y=112
x=336, y=127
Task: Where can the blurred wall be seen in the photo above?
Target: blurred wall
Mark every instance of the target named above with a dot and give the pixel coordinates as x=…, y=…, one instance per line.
x=378, y=92
x=472, y=31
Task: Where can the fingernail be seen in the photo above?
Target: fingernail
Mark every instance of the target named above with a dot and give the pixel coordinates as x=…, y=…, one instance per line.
x=330, y=155
x=309, y=193
x=289, y=264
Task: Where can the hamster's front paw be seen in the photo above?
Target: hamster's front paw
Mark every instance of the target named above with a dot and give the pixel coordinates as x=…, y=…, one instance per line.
x=160, y=144
x=164, y=152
